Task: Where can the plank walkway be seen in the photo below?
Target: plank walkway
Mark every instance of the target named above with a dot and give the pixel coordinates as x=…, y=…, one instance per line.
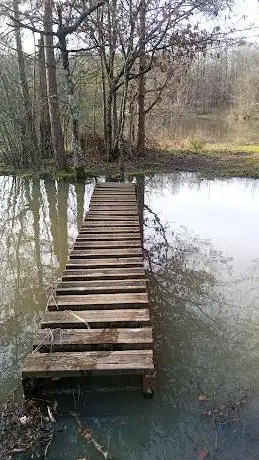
x=98, y=321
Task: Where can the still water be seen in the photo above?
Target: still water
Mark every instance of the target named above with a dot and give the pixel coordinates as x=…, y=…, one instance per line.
x=203, y=259
x=217, y=128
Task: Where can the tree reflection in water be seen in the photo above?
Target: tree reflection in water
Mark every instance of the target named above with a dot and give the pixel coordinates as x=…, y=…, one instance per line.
x=35, y=218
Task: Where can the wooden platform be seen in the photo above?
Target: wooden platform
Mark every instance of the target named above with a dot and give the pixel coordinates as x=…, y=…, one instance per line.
x=98, y=322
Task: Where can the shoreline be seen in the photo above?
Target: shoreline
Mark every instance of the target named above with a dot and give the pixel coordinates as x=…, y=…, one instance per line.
x=209, y=163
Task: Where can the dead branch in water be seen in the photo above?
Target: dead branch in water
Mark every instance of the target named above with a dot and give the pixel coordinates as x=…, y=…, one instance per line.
x=88, y=436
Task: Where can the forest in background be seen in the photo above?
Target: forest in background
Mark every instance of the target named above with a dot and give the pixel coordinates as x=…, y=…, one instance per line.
x=104, y=76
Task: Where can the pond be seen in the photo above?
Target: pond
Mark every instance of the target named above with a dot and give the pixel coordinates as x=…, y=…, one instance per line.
x=216, y=128
x=203, y=260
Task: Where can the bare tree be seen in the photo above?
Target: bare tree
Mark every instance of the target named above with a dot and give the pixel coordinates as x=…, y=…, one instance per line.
x=45, y=126
x=30, y=131
x=53, y=99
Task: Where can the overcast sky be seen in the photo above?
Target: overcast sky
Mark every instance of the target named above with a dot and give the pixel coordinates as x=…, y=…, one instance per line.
x=245, y=14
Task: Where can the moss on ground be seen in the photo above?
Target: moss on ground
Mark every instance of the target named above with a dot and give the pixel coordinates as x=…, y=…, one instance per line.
x=212, y=160
x=222, y=160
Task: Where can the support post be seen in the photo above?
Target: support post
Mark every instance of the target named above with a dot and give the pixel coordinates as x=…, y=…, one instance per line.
x=148, y=385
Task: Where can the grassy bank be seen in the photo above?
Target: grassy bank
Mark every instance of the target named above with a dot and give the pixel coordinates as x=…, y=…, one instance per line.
x=209, y=160
x=222, y=160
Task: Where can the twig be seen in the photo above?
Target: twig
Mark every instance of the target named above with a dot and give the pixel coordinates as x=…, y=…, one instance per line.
x=48, y=445
x=51, y=416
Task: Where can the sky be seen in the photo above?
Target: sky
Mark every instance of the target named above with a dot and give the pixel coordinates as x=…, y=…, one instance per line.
x=245, y=14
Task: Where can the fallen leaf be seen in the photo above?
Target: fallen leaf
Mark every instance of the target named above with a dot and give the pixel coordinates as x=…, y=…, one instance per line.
x=203, y=397
x=24, y=420
x=203, y=454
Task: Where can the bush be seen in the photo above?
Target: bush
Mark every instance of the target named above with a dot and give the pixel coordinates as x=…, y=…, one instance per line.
x=197, y=144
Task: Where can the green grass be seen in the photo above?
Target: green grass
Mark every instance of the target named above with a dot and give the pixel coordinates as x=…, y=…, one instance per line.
x=219, y=159
x=207, y=159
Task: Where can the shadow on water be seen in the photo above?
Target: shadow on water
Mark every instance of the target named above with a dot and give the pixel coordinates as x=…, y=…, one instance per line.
x=204, y=321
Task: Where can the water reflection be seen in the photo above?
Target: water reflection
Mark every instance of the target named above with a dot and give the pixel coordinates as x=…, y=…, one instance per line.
x=38, y=222
x=203, y=285
x=210, y=129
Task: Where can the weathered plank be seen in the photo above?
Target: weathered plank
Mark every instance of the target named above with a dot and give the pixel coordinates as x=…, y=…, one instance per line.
x=112, y=212
x=111, y=216
x=103, y=274
x=116, y=184
x=112, y=208
x=88, y=339
x=114, y=193
x=108, y=237
x=99, y=322
x=101, y=286
x=96, y=318
x=108, y=229
x=105, y=263
x=115, y=199
x=101, y=301
x=62, y=364
x=110, y=223
x=79, y=244
x=96, y=253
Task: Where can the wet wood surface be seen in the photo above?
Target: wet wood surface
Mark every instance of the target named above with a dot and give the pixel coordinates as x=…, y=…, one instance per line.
x=98, y=319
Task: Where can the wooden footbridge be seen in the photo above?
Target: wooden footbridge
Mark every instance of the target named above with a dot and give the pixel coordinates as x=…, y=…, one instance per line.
x=98, y=321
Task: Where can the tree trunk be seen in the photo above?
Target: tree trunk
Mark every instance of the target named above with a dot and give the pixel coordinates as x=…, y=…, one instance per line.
x=141, y=83
x=109, y=133
x=45, y=126
x=72, y=103
x=51, y=75
x=30, y=132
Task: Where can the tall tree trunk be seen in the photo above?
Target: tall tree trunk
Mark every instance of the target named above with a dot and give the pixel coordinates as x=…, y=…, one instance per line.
x=51, y=75
x=45, y=126
x=30, y=131
x=72, y=103
x=141, y=82
x=109, y=132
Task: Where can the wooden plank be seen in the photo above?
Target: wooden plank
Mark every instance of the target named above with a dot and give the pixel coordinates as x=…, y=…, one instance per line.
x=111, y=216
x=112, y=208
x=114, y=191
x=105, y=263
x=93, y=339
x=96, y=253
x=115, y=196
x=110, y=223
x=62, y=364
x=103, y=274
x=112, y=212
x=96, y=318
x=116, y=184
x=101, y=287
x=98, y=301
x=99, y=320
x=130, y=187
x=114, y=199
x=108, y=237
x=79, y=244
x=110, y=229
